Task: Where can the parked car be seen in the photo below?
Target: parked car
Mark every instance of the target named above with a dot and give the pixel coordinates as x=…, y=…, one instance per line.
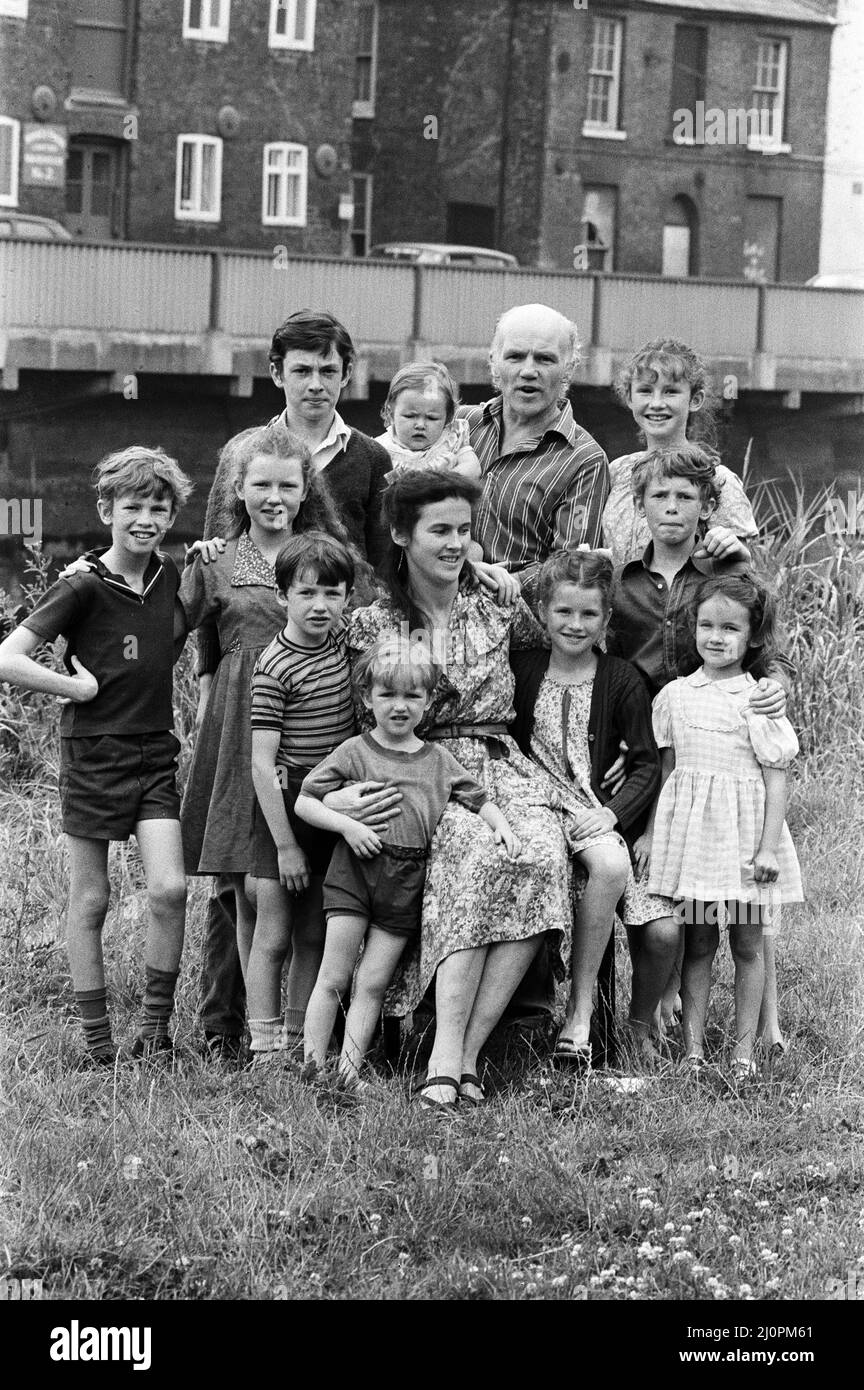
x=440, y=253
x=31, y=227
x=842, y=280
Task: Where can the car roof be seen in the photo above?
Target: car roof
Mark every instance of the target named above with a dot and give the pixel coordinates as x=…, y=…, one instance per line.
x=54, y=228
x=838, y=280
x=444, y=248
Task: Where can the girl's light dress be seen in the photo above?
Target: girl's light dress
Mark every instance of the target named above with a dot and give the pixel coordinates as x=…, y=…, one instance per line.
x=711, y=810
x=443, y=454
x=570, y=771
x=626, y=533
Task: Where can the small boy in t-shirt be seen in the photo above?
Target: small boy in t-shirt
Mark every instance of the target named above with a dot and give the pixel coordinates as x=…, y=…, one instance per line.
x=301, y=710
x=118, y=754
x=373, y=889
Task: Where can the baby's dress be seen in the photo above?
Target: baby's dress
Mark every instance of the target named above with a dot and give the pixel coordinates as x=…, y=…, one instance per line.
x=625, y=531
x=443, y=454
x=712, y=808
x=559, y=744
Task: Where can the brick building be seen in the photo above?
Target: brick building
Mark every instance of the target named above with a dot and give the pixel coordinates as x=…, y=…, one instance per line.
x=539, y=126
x=842, y=247
x=225, y=122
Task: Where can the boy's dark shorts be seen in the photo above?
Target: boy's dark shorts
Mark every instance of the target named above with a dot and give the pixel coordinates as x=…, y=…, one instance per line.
x=316, y=844
x=110, y=782
x=385, y=889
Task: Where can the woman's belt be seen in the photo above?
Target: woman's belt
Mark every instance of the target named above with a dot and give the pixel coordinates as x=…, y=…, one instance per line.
x=493, y=734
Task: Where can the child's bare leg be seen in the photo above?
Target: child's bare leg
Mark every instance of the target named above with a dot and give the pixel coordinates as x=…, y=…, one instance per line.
x=701, y=940
x=162, y=856
x=376, y=969
x=660, y=942
x=307, y=952
x=161, y=849
x=769, y=1017
x=342, y=945
x=88, y=904
x=672, y=989
x=270, y=946
x=745, y=941
x=246, y=899
x=607, y=866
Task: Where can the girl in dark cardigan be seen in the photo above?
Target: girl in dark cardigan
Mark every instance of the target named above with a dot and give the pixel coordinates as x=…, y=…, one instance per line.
x=574, y=705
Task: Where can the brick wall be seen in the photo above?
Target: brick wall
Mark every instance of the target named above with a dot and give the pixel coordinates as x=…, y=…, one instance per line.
x=280, y=95
x=178, y=86
x=649, y=170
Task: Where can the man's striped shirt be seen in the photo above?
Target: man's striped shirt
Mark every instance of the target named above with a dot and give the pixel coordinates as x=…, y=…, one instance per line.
x=305, y=693
x=548, y=495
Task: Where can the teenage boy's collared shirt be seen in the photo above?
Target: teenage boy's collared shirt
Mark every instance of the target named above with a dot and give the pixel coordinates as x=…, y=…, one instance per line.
x=548, y=495
x=650, y=623
x=335, y=442
x=125, y=639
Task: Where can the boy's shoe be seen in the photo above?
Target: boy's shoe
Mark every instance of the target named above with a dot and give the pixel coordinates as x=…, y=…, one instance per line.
x=158, y=1049
x=273, y=1059
x=99, y=1058
x=223, y=1049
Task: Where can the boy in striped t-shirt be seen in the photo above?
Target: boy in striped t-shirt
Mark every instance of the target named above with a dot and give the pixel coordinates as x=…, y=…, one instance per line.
x=301, y=711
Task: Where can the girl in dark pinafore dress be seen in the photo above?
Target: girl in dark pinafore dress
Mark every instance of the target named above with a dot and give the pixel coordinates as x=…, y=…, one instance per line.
x=276, y=492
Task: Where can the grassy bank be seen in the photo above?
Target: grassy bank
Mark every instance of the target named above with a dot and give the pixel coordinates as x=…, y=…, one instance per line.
x=194, y=1185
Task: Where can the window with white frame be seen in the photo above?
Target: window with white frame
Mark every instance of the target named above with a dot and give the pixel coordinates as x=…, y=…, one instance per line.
x=292, y=24
x=604, y=78
x=15, y=9
x=769, y=92
x=283, y=201
x=365, y=60
x=198, y=185
x=361, y=223
x=206, y=19
x=10, y=132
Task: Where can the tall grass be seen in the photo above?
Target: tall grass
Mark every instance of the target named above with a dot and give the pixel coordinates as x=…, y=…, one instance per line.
x=195, y=1185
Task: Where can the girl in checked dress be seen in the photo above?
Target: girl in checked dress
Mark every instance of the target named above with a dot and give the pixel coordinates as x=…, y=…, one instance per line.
x=720, y=845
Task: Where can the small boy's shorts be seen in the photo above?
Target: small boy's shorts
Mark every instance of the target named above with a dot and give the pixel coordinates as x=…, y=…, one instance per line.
x=110, y=782
x=316, y=844
x=387, y=890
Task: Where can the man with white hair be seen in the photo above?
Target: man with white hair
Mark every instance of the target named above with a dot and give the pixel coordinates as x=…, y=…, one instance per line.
x=545, y=479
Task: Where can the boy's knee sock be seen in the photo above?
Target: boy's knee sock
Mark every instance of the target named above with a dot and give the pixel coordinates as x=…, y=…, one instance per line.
x=158, y=1002
x=266, y=1034
x=95, y=1023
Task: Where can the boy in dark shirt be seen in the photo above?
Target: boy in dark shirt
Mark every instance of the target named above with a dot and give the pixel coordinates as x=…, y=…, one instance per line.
x=118, y=754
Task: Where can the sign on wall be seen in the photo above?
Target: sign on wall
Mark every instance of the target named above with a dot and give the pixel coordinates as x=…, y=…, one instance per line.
x=44, y=162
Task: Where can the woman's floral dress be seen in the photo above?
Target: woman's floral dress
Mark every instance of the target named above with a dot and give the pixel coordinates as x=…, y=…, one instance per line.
x=474, y=895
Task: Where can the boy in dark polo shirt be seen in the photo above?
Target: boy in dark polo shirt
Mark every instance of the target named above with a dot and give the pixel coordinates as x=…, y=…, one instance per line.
x=118, y=755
